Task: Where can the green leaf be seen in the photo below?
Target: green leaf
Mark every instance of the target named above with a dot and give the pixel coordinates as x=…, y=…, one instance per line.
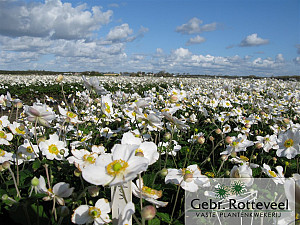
x=36, y=164
x=164, y=217
x=154, y=221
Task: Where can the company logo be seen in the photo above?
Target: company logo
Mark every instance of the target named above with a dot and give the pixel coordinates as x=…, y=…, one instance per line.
x=236, y=188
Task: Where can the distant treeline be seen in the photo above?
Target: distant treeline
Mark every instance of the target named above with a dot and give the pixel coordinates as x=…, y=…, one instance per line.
x=29, y=72
x=95, y=73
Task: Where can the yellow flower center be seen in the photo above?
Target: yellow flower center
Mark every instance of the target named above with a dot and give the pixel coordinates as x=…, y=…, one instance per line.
x=19, y=131
x=210, y=174
x=288, y=143
x=273, y=174
x=116, y=167
x=107, y=107
x=53, y=149
x=83, y=139
x=267, y=139
x=149, y=191
x=71, y=115
x=0, y=122
x=29, y=149
x=89, y=158
x=2, y=134
x=244, y=158
x=2, y=152
x=234, y=143
x=94, y=212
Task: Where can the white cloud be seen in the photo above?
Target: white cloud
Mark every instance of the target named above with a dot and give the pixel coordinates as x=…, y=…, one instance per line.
x=51, y=18
x=297, y=60
x=119, y=32
x=279, y=58
x=195, y=40
x=181, y=53
x=253, y=40
x=159, y=51
x=193, y=26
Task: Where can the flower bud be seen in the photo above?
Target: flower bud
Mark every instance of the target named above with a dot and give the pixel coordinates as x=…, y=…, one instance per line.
x=93, y=191
x=258, y=145
x=224, y=157
x=286, y=120
x=173, y=98
x=218, y=131
x=35, y=181
x=201, y=140
x=19, y=105
x=4, y=197
x=227, y=173
x=167, y=136
x=208, y=159
x=148, y=212
x=247, y=125
x=196, y=130
x=1, y=168
x=6, y=164
x=211, y=138
x=77, y=173
x=228, y=140
x=233, y=154
x=59, y=78
x=164, y=172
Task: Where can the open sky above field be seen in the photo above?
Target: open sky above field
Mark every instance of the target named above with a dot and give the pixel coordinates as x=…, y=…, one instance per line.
x=229, y=37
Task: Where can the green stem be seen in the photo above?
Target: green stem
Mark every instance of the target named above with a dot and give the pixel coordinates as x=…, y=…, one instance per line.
x=15, y=182
x=176, y=198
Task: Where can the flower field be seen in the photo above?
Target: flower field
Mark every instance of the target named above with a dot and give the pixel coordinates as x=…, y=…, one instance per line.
x=66, y=142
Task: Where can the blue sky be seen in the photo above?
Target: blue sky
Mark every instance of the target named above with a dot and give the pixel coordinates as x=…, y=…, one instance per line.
x=232, y=37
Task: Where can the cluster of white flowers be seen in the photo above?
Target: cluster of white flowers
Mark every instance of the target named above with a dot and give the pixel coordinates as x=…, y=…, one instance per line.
x=249, y=118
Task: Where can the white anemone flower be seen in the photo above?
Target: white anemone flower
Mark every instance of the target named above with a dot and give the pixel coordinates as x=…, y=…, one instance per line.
x=106, y=105
x=289, y=145
x=268, y=142
x=58, y=192
x=5, y=137
x=18, y=129
x=149, y=194
x=278, y=177
x=54, y=148
x=40, y=113
x=189, y=178
x=97, y=214
x=93, y=85
x=145, y=149
x=242, y=173
x=239, y=143
x=27, y=152
x=117, y=168
x=5, y=156
x=68, y=115
x=83, y=158
x=4, y=122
